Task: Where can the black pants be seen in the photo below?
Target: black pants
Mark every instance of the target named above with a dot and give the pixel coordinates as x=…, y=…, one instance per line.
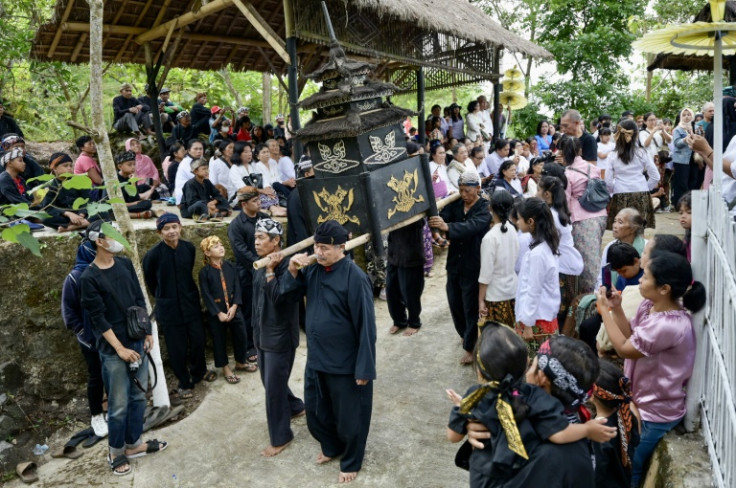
x=95, y=386
x=404, y=287
x=462, y=295
x=140, y=206
x=685, y=179
x=219, y=331
x=250, y=346
x=281, y=403
x=185, y=344
x=338, y=415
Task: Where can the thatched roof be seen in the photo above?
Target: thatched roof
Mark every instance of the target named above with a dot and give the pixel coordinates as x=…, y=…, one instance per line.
x=441, y=35
x=683, y=62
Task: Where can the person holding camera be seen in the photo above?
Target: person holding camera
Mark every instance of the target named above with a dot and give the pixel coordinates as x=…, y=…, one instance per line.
x=685, y=177
x=653, y=136
x=124, y=359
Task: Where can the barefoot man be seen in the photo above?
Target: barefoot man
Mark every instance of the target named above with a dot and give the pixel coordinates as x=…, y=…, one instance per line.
x=341, y=353
x=276, y=336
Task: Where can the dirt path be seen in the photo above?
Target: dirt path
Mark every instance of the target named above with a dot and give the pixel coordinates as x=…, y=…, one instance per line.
x=219, y=443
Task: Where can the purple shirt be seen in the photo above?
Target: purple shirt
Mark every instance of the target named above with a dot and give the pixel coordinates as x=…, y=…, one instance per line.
x=658, y=380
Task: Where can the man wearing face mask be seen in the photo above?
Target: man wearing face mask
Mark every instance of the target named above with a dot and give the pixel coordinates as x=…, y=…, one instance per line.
x=109, y=286
x=280, y=129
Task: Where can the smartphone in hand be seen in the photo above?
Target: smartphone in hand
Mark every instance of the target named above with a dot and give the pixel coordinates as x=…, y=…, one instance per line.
x=606, y=274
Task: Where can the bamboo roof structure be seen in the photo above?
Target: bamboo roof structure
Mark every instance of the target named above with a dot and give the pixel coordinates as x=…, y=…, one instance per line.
x=453, y=40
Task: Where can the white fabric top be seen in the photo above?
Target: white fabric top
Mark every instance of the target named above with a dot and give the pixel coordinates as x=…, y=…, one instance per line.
x=286, y=168
x=274, y=175
x=453, y=174
x=531, y=188
x=538, y=292
x=441, y=171
x=498, y=253
x=571, y=262
x=485, y=119
x=238, y=171
x=605, y=148
x=220, y=175
x=493, y=162
x=524, y=239
x=629, y=178
x=522, y=167
x=183, y=174
x=653, y=148
x=472, y=126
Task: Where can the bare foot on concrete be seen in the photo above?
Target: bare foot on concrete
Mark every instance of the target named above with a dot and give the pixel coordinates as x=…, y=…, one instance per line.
x=346, y=477
x=322, y=459
x=467, y=358
x=272, y=451
x=394, y=329
x=410, y=331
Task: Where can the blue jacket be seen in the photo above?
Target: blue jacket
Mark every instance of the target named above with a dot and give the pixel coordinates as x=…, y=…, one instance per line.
x=72, y=312
x=682, y=152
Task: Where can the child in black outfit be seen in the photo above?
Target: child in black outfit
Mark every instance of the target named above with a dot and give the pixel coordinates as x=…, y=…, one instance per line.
x=200, y=197
x=59, y=201
x=612, y=398
x=520, y=416
x=220, y=287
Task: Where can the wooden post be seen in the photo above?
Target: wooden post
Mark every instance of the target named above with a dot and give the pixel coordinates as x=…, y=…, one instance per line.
x=496, y=94
x=120, y=210
x=152, y=90
x=421, y=124
x=292, y=76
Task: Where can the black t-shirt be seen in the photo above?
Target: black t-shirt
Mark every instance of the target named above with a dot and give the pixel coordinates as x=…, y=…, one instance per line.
x=590, y=148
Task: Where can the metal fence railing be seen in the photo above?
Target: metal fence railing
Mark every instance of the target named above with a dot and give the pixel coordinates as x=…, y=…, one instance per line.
x=712, y=389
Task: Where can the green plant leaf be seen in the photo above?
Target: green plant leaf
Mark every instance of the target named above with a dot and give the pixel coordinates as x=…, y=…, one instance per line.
x=130, y=190
x=78, y=182
x=95, y=208
x=111, y=231
x=116, y=200
x=9, y=235
x=42, y=178
x=79, y=202
x=12, y=210
x=27, y=240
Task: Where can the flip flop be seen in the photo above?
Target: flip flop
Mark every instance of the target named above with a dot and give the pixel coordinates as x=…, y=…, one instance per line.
x=69, y=452
x=248, y=368
x=27, y=472
x=232, y=379
x=152, y=446
x=91, y=441
x=210, y=376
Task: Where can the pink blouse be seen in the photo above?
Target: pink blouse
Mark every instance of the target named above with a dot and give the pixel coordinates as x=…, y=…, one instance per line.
x=84, y=163
x=144, y=168
x=576, y=183
x=658, y=380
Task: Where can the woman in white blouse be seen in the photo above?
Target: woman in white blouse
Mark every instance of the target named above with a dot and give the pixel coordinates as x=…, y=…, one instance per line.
x=473, y=122
x=438, y=170
x=244, y=173
x=631, y=175
x=220, y=167
x=460, y=164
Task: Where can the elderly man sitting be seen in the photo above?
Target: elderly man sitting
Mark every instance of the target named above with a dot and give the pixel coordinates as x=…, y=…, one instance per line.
x=129, y=113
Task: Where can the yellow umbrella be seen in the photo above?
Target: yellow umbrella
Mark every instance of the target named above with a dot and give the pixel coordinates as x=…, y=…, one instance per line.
x=513, y=100
x=696, y=38
x=512, y=85
x=513, y=74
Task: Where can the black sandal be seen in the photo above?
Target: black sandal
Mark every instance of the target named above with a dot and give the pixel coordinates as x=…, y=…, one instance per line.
x=117, y=462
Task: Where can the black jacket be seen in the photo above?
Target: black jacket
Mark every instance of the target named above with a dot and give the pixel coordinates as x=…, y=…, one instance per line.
x=195, y=191
x=213, y=295
x=465, y=233
x=9, y=193
x=406, y=246
x=275, y=314
x=9, y=126
x=168, y=274
x=242, y=235
x=59, y=199
x=122, y=105
x=295, y=222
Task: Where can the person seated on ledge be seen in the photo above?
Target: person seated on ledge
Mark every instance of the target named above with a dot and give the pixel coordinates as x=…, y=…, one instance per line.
x=144, y=167
x=12, y=184
x=129, y=113
x=139, y=205
x=59, y=201
x=200, y=197
x=33, y=169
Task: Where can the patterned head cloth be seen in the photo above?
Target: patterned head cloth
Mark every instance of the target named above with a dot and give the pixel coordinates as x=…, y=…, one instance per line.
x=12, y=139
x=196, y=163
x=468, y=178
x=207, y=244
x=59, y=158
x=182, y=114
x=557, y=374
x=11, y=155
x=167, y=218
x=625, y=419
x=124, y=157
x=246, y=193
x=269, y=226
x=506, y=389
x=243, y=110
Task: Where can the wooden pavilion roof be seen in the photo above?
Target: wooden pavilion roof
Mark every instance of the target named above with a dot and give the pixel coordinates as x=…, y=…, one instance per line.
x=454, y=40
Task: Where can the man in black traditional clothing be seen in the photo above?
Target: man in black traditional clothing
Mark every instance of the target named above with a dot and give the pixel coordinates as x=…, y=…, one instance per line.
x=276, y=335
x=341, y=353
x=465, y=222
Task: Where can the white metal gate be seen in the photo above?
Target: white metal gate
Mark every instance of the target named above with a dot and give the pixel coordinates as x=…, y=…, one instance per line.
x=712, y=389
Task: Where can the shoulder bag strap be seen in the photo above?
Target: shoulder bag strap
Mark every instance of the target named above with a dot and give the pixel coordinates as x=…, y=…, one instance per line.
x=578, y=171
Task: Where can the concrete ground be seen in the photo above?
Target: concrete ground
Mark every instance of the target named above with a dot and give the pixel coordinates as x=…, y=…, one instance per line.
x=219, y=444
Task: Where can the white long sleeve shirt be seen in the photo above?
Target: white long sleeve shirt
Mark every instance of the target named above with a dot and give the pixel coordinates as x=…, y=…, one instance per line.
x=220, y=175
x=571, y=262
x=498, y=253
x=183, y=174
x=538, y=292
x=629, y=178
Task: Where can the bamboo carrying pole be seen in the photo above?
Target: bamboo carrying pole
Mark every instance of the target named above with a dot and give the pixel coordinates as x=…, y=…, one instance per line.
x=358, y=241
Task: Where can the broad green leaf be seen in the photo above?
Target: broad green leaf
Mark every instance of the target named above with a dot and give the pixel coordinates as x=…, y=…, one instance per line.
x=9, y=235
x=78, y=182
x=79, y=202
x=40, y=215
x=116, y=200
x=27, y=240
x=42, y=178
x=111, y=231
x=130, y=190
x=12, y=210
x=95, y=208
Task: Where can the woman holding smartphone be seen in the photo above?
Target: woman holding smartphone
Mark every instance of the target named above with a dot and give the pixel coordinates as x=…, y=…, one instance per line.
x=685, y=177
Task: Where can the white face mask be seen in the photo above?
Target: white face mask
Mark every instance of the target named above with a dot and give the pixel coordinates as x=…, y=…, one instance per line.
x=114, y=247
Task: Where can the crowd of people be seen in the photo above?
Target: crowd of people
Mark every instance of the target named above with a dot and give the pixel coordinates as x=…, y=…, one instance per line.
x=546, y=315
